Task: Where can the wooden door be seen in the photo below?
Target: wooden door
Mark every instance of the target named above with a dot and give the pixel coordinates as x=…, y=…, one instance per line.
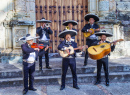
x=59, y=11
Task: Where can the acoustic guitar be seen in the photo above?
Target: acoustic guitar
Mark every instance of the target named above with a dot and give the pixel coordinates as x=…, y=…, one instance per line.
x=65, y=54
x=71, y=51
x=99, y=51
x=87, y=34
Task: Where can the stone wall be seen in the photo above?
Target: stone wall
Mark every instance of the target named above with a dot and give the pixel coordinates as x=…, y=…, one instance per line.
x=17, y=17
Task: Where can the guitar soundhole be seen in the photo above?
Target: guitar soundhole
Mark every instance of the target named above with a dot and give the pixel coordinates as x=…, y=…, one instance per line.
x=102, y=46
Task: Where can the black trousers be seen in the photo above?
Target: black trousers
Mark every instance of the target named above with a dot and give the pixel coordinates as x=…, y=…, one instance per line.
x=28, y=72
x=89, y=43
x=41, y=55
x=104, y=62
x=69, y=62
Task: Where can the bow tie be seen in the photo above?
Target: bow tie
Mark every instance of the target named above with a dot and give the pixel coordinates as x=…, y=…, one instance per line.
x=68, y=43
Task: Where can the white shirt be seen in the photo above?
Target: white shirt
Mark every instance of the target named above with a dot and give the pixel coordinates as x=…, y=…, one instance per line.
x=31, y=57
x=44, y=38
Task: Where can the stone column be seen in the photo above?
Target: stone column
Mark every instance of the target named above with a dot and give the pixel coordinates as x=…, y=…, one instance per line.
x=103, y=8
x=93, y=6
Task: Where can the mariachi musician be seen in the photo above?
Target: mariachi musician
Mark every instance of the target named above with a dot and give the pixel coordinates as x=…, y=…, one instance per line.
x=71, y=24
x=104, y=61
x=44, y=31
x=70, y=60
x=91, y=18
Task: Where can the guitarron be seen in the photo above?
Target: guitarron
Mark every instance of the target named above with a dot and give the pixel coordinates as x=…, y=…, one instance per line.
x=99, y=51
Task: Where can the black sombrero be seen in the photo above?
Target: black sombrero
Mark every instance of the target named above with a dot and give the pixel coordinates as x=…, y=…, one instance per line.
x=88, y=16
x=65, y=32
x=103, y=33
x=43, y=20
x=70, y=21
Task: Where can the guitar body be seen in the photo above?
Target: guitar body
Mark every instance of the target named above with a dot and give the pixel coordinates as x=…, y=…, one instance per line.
x=65, y=54
x=99, y=51
x=87, y=34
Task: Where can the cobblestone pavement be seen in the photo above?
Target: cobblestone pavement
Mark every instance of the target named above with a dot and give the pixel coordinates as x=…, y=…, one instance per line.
x=85, y=89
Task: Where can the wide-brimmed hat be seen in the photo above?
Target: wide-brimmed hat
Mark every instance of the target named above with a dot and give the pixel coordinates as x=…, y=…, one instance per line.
x=43, y=20
x=88, y=16
x=70, y=21
x=28, y=37
x=65, y=32
x=103, y=33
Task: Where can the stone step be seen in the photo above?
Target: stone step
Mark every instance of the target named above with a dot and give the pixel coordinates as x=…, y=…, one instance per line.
x=57, y=71
x=56, y=79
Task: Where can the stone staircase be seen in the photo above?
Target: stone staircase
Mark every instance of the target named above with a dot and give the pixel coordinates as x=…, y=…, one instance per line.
x=118, y=73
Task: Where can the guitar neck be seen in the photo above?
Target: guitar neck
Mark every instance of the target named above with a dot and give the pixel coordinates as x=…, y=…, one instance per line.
x=117, y=41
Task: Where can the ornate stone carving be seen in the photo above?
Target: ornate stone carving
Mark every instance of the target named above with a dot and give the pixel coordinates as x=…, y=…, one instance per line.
x=123, y=6
x=19, y=33
x=103, y=5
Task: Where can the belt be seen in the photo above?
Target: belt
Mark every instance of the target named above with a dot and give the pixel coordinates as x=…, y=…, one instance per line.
x=69, y=57
x=44, y=41
x=24, y=60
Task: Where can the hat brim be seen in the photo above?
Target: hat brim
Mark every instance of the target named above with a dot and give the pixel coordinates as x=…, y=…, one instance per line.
x=45, y=21
x=88, y=16
x=30, y=38
x=71, y=21
x=107, y=34
x=64, y=33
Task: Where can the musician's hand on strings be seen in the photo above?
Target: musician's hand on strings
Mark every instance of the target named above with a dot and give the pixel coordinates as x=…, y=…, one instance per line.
x=46, y=48
x=114, y=43
x=37, y=49
x=90, y=31
x=67, y=50
x=100, y=42
x=86, y=46
x=80, y=47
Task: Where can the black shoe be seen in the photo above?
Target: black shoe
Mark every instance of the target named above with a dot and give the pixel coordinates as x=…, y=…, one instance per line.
x=48, y=67
x=62, y=87
x=76, y=87
x=85, y=65
x=107, y=83
x=40, y=68
x=97, y=82
x=25, y=92
x=33, y=89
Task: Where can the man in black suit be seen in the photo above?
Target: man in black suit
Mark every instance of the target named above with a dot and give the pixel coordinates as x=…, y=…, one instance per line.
x=70, y=60
x=104, y=61
x=44, y=31
x=92, y=19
